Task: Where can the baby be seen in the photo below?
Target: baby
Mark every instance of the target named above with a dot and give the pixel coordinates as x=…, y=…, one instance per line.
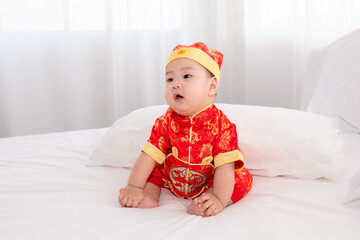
x=193, y=148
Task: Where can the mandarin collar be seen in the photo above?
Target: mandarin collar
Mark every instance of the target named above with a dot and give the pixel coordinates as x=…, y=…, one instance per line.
x=196, y=119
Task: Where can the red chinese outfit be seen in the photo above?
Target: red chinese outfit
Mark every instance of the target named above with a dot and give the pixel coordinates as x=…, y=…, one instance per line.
x=189, y=149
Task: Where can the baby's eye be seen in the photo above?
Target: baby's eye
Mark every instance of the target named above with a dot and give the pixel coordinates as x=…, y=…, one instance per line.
x=187, y=76
x=169, y=80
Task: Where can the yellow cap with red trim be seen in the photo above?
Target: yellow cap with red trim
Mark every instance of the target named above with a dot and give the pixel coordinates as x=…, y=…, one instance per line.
x=209, y=58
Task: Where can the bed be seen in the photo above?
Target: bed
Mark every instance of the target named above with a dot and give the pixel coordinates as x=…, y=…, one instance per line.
x=51, y=190
x=306, y=171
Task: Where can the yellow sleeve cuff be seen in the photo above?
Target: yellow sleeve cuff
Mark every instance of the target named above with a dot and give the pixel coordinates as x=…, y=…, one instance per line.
x=228, y=157
x=154, y=153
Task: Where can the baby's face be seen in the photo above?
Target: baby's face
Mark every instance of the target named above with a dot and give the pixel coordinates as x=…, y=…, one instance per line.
x=189, y=87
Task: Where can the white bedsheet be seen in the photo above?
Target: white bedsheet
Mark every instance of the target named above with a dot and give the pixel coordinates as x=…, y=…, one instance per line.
x=47, y=192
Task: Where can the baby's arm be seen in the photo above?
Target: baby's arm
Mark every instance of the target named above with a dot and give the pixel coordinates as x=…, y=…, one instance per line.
x=224, y=180
x=133, y=194
x=214, y=201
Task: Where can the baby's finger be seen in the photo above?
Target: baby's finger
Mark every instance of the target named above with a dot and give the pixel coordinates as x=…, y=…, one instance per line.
x=206, y=205
x=120, y=197
x=129, y=202
x=136, y=203
x=197, y=203
x=215, y=212
x=203, y=198
x=123, y=201
x=211, y=211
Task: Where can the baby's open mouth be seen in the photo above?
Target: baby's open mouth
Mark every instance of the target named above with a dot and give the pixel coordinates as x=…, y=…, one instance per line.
x=178, y=96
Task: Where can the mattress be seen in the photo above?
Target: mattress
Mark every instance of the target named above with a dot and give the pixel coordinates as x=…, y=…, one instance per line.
x=48, y=192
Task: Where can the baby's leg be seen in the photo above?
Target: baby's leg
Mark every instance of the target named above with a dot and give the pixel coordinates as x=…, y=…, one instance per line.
x=152, y=195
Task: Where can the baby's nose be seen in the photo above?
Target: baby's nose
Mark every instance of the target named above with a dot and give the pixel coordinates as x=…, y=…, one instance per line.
x=176, y=85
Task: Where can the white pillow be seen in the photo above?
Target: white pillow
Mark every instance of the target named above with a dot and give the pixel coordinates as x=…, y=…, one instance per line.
x=353, y=197
x=274, y=141
x=122, y=143
x=337, y=92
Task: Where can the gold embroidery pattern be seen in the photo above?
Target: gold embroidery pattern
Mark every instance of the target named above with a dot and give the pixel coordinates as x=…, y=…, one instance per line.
x=185, y=180
x=174, y=126
x=225, y=140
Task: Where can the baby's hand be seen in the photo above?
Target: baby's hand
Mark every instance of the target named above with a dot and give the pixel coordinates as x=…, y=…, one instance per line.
x=208, y=204
x=131, y=196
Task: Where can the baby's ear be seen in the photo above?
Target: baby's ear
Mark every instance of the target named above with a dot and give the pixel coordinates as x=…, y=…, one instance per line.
x=214, y=87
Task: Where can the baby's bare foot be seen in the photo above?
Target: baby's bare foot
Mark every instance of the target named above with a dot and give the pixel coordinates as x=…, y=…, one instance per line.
x=149, y=201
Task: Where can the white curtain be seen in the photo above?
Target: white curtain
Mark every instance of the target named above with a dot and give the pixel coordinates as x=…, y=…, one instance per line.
x=78, y=64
